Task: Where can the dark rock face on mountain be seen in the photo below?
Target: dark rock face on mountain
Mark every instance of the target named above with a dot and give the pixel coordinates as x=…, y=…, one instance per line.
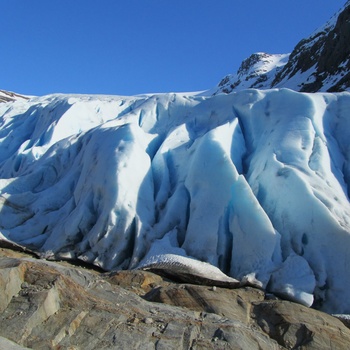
x=320, y=62
x=55, y=305
x=7, y=96
x=256, y=72
x=325, y=56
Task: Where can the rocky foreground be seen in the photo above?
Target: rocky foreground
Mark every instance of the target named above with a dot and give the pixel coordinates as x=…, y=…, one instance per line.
x=56, y=305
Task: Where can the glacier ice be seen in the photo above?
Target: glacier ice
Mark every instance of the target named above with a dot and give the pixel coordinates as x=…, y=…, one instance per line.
x=255, y=183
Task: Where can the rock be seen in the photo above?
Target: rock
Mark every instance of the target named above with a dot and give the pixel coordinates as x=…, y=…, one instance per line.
x=185, y=269
x=9, y=345
x=343, y=318
x=317, y=63
x=148, y=320
x=139, y=282
x=295, y=326
x=55, y=305
x=8, y=96
x=233, y=304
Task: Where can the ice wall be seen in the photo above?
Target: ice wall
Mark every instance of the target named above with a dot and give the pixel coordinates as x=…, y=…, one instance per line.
x=254, y=183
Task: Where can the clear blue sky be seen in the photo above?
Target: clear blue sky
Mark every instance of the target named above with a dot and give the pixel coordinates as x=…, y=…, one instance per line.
x=139, y=46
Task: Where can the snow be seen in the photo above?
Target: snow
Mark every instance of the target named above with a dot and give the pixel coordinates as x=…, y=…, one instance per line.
x=253, y=185
x=260, y=72
x=8, y=96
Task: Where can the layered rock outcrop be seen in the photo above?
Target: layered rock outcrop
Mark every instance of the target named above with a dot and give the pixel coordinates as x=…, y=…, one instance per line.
x=56, y=305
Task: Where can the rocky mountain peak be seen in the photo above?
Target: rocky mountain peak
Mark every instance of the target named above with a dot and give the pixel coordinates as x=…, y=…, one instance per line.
x=250, y=64
x=255, y=72
x=317, y=63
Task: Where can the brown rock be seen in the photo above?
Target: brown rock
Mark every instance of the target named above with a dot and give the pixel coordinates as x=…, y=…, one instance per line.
x=138, y=281
x=231, y=303
x=55, y=305
x=295, y=326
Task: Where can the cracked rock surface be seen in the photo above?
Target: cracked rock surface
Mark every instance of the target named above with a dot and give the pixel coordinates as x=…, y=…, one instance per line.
x=56, y=305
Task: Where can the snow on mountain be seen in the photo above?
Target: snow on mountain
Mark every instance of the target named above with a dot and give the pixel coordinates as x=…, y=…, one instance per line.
x=320, y=62
x=7, y=96
x=258, y=71
x=255, y=183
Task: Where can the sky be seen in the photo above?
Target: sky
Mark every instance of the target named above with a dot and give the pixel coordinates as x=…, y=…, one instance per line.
x=129, y=47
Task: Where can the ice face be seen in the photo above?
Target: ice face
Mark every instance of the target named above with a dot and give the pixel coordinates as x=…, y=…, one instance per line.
x=255, y=183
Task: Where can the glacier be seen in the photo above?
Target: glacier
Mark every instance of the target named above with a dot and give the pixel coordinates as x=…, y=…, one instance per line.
x=254, y=183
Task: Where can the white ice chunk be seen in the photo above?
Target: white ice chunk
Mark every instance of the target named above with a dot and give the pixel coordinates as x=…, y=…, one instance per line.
x=294, y=281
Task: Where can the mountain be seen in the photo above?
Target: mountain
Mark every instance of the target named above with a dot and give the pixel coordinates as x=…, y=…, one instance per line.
x=257, y=71
x=7, y=96
x=317, y=63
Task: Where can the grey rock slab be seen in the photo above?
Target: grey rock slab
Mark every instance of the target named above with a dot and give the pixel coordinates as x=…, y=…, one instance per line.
x=52, y=305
